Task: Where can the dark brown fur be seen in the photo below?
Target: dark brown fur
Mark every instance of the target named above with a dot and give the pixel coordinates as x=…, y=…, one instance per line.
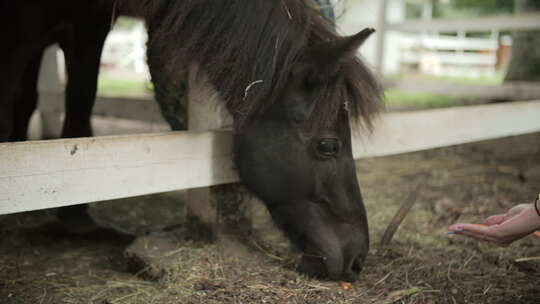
x=240, y=43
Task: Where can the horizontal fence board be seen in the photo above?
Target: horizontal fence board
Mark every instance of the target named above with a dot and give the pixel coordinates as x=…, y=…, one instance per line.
x=46, y=174
x=453, y=58
x=432, y=42
x=481, y=24
x=401, y=132
x=505, y=91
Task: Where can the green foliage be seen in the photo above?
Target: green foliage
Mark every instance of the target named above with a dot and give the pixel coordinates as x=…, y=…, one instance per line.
x=420, y=100
x=413, y=11
x=461, y=8
x=397, y=98
x=126, y=23
x=486, y=7
x=108, y=86
x=472, y=8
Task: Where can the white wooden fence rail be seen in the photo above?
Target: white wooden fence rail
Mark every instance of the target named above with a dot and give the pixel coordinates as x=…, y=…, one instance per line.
x=507, y=91
x=400, y=132
x=45, y=174
x=437, y=54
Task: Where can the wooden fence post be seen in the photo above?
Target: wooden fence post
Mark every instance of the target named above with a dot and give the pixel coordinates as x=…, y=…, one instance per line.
x=381, y=36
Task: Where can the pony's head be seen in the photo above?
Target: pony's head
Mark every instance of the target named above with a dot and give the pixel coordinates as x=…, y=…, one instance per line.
x=298, y=158
x=292, y=84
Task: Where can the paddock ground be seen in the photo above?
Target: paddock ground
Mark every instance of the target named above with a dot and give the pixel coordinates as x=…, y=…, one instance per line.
x=422, y=264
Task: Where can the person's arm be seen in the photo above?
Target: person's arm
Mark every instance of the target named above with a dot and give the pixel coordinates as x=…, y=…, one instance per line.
x=503, y=229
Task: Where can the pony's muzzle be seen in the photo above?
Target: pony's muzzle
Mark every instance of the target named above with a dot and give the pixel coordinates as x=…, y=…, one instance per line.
x=351, y=273
x=321, y=266
x=338, y=268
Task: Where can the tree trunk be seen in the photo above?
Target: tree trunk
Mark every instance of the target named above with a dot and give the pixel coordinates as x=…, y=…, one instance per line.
x=525, y=61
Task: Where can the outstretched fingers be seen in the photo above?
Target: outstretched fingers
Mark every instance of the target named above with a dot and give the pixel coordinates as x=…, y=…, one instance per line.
x=479, y=232
x=495, y=219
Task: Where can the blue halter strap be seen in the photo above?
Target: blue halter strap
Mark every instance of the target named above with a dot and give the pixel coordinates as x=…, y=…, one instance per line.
x=326, y=8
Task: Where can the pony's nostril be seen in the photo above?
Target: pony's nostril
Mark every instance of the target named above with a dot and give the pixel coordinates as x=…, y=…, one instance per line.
x=313, y=265
x=360, y=260
x=351, y=271
x=350, y=276
x=358, y=264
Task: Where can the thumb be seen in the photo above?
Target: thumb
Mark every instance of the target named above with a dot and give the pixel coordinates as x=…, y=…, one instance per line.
x=495, y=219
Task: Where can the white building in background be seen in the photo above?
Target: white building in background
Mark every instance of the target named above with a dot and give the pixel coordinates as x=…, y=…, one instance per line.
x=124, y=53
x=426, y=51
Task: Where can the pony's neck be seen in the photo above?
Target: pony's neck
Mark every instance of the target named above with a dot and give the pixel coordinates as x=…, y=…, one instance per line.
x=127, y=8
x=206, y=109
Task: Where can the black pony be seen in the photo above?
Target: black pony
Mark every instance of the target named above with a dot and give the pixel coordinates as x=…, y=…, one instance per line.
x=289, y=81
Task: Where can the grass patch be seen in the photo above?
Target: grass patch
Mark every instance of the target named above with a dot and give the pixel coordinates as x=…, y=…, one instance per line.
x=401, y=99
x=496, y=79
x=108, y=86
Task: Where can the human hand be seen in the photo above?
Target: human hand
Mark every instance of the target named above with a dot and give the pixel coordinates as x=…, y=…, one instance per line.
x=502, y=229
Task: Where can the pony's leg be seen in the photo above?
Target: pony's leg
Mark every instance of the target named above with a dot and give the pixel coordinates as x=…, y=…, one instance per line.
x=7, y=106
x=82, y=57
x=171, y=96
x=13, y=65
x=26, y=99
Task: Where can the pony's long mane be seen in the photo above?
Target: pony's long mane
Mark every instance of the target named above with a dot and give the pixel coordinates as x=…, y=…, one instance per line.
x=247, y=49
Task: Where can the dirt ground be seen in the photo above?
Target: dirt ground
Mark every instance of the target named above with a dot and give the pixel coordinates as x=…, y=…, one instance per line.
x=421, y=265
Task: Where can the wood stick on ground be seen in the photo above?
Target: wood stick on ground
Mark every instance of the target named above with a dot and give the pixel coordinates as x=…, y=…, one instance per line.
x=398, y=219
x=527, y=259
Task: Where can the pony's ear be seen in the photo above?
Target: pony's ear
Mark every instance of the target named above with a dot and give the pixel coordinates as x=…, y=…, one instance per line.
x=328, y=57
x=320, y=63
x=346, y=47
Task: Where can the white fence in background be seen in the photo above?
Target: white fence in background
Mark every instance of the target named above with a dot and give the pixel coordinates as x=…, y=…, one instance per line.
x=443, y=55
x=125, y=51
x=459, y=59
x=427, y=27
x=123, y=55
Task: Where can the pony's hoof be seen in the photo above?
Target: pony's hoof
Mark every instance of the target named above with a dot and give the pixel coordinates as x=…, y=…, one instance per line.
x=79, y=225
x=75, y=220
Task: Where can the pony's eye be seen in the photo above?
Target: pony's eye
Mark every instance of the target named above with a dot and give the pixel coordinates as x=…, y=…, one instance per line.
x=328, y=146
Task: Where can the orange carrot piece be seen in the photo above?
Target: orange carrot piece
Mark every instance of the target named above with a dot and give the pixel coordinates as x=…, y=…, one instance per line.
x=345, y=285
